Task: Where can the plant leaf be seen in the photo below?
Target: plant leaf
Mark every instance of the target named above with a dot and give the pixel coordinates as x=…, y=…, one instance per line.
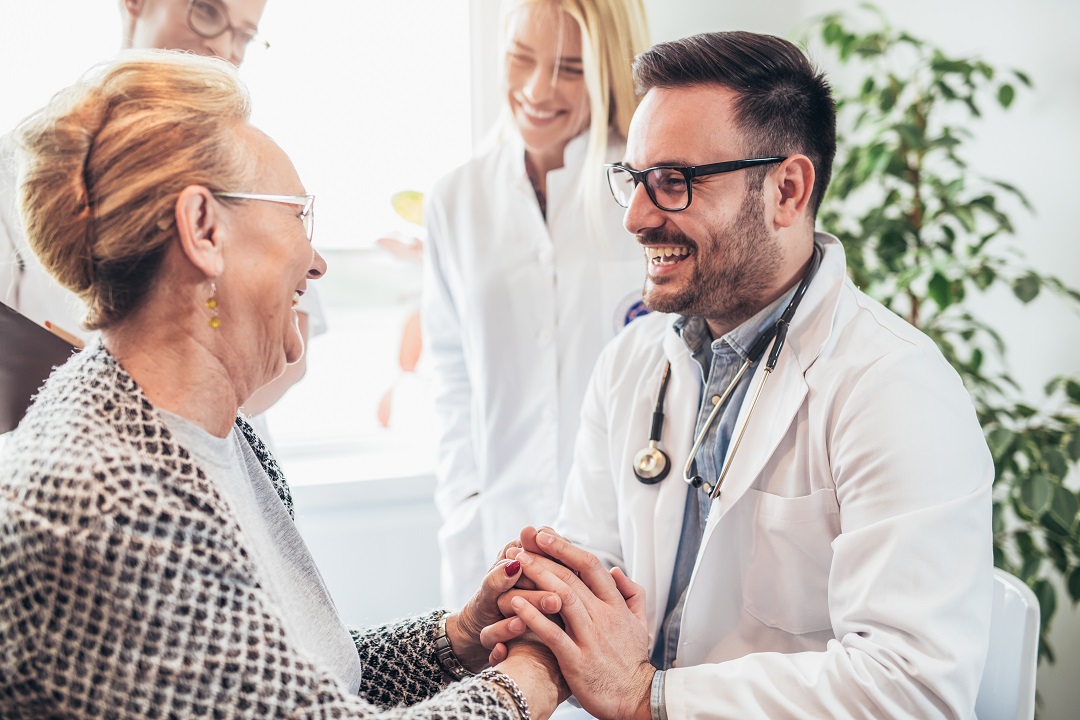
x=1036, y=493
x=1056, y=463
x=1072, y=389
x=985, y=277
x=1073, y=447
x=999, y=440
x=1047, y=600
x=1064, y=507
x=940, y=290
x=1074, y=584
x=1030, y=567
x=1026, y=287
x=1006, y=94
x=998, y=521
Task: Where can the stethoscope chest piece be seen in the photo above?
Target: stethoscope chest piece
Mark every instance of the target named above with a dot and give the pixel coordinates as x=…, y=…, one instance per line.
x=651, y=464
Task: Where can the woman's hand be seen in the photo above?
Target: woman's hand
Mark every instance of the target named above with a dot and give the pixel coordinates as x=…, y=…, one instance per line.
x=463, y=628
x=534, y=668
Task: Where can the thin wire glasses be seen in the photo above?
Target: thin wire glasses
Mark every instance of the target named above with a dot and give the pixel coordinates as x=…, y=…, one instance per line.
x=210, y=19
x=668, y=186
x=307, y=202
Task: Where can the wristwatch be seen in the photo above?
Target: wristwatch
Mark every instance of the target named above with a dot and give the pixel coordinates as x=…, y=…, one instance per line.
x=444, y=653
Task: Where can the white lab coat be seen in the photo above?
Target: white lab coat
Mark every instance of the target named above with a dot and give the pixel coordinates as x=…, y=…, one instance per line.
x=846, y=568
x=25, y=285
x=515, y=312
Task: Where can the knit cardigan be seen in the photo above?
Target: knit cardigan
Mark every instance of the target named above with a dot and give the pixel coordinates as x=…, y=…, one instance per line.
x=127, y=589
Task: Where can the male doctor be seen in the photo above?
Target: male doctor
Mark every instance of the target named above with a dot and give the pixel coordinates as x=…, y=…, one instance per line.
x=843, y=568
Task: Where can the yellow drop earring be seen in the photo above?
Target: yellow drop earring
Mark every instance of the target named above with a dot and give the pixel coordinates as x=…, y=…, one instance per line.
x=212, y=303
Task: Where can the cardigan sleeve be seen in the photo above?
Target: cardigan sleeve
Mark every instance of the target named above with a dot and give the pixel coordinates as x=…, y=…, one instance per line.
x=399, y=661
x=124, y=605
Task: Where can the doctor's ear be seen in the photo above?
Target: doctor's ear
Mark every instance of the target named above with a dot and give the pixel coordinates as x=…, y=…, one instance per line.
x=789, y=188
x=200, y=226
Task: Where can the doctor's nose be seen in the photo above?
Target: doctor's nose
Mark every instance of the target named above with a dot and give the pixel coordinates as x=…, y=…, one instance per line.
x=642, y=214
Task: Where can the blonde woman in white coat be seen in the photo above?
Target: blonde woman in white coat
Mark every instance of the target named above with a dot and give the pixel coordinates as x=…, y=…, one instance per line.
x=529, y=273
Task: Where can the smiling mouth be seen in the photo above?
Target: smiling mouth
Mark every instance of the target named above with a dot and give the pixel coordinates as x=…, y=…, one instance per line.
x=666, y=254
x=535, y=113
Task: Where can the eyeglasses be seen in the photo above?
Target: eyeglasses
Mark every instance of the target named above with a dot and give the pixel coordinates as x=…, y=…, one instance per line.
x=307, y=202
x=210, y=18
x=669, y=187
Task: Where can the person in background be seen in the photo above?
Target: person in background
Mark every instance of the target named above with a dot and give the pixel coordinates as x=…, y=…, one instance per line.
x=528, y=272
x=150, y=564
x=828, y=551
x=214, y=28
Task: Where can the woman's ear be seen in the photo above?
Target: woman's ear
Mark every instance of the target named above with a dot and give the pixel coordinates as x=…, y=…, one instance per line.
x=794, y=186
x=200, y=226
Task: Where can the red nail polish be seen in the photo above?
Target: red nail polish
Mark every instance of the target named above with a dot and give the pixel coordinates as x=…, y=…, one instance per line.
x=512, y=568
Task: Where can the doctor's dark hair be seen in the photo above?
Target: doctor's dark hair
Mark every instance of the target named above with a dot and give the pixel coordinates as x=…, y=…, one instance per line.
x=784, y=103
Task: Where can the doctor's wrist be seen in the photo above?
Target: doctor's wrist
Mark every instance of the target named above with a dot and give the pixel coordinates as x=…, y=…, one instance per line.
x=643, y=710
x=657, y=699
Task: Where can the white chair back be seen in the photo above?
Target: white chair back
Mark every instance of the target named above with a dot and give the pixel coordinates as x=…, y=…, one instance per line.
x=1007, y=687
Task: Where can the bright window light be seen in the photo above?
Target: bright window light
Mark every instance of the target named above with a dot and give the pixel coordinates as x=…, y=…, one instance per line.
x=367, y=99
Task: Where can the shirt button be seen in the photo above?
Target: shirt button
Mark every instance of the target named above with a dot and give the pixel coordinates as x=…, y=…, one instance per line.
x=715, y=399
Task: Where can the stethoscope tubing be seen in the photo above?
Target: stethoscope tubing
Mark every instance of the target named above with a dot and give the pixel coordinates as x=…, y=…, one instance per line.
x=776, y=337
x=717, y=407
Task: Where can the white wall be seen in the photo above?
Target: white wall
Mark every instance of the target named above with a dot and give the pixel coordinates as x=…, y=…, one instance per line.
x=374, y=542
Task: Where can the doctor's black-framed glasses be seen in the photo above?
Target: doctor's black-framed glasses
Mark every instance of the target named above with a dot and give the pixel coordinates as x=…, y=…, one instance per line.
x=670, y=186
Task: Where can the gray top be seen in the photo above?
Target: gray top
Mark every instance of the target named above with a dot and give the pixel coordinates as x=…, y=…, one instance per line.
x=282, y=561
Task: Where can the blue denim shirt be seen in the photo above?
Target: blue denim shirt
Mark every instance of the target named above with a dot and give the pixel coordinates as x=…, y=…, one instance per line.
x=719, y=361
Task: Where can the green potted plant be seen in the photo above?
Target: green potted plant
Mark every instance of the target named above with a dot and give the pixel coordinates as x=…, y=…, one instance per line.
x=924, y=232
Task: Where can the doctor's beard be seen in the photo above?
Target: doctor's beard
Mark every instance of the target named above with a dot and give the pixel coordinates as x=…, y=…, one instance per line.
x=732, y=269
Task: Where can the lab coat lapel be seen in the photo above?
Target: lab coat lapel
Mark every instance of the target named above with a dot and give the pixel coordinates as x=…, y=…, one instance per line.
x=780, y=399
x=786, y=388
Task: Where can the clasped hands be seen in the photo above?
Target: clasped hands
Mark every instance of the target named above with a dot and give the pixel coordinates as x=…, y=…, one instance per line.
x=591, y=621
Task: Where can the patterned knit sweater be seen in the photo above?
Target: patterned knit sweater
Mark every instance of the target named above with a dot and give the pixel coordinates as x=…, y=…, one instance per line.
x=126, y=589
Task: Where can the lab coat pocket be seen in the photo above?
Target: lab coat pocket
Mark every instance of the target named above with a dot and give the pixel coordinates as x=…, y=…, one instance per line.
x=786, y=566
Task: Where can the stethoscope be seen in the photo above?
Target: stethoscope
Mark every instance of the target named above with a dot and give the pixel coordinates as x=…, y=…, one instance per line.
x=651, y=464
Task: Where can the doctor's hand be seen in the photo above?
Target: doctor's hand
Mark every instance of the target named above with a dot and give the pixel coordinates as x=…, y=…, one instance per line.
x=603, y=650
x=464, y=628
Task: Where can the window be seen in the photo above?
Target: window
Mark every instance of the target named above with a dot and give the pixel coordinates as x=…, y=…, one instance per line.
x=368, y=99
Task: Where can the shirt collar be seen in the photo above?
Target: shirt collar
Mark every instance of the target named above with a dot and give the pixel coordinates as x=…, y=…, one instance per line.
x=695, y=332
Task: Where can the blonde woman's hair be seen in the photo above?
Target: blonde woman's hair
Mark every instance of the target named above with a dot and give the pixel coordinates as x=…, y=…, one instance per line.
x=102, y=165
x=613, y=32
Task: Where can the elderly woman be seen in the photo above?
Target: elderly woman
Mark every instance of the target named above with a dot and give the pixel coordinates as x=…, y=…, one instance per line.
x=149, y=565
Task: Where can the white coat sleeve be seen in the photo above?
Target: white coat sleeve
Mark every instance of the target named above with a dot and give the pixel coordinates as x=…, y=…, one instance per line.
x=456, y=473
x=910, y=581
x=590, y=508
